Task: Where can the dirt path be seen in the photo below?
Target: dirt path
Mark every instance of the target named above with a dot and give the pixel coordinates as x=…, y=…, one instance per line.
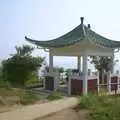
x=10, y=107
x=32, y=112
x=67, y=114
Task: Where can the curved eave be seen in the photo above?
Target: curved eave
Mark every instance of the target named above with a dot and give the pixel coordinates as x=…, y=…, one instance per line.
x=70, y=38
x=36, y=42
x=50, y=44
x=102, y=41
x=114, y=44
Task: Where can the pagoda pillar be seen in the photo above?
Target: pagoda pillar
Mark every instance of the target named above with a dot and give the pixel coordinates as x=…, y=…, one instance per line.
x=50, y=83
x=85, y=74
x=50, y=62
x=112, y=64
x=79, y=63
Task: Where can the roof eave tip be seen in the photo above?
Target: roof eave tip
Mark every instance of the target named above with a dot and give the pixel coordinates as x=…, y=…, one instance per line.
x=26, y=37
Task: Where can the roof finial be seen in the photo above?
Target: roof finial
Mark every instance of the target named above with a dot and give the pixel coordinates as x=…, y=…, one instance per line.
x=82, y=19
x=89, y=26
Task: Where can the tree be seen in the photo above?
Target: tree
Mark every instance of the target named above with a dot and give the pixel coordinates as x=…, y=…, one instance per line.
x=102, y=64
x=21, y=66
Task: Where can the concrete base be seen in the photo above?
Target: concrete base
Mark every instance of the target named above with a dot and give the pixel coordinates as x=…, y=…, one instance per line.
x=49, y=83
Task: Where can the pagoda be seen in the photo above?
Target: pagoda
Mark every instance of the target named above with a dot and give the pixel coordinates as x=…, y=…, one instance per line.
x=82, y=41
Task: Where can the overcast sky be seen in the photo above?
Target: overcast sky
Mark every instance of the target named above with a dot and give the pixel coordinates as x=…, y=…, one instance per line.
x=48, y=19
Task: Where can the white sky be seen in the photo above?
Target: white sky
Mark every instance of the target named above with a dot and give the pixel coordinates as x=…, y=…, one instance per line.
x=48, y=19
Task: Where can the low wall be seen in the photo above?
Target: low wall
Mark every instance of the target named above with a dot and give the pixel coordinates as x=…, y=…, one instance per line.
x=77, y=86
x=49, y=83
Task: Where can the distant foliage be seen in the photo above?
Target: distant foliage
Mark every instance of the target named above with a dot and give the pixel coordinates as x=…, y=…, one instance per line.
x=21, y=66
x=58, y=69
x=102, y=64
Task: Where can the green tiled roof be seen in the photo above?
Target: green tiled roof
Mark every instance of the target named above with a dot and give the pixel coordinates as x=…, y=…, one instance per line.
x=78, y=34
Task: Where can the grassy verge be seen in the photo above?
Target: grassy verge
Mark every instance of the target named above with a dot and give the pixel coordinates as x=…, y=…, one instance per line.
x=24, y=97
x=29, y=98
x=55, y=96
x=101, y=107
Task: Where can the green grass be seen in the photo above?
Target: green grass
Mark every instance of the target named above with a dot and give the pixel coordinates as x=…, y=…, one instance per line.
x=55, y=96
x=26, y=97
x=10, y=92
x=29, y=98
x=101, y=107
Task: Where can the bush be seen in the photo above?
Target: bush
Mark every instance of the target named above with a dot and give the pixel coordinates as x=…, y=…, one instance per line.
x=55, y=96
x=4, y=84
x=29, y=98
x=21, y=66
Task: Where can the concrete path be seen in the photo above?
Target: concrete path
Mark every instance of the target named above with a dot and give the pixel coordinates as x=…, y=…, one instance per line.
x=33, y=112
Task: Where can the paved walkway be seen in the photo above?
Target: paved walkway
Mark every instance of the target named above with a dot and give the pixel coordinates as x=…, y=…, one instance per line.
x=35, y=111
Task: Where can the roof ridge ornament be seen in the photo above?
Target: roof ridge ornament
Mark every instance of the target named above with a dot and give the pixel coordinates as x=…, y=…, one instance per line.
x=88, y=30
x=89, y=26
x=82, y=25
x=82, y=20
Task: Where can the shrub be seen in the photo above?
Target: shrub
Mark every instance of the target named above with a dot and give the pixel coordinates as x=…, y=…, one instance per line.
x=21, y=66
x=4, y=84
x=55, y=96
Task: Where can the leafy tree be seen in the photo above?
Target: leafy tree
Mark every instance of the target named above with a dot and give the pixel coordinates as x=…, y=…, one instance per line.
x=102, y=64
x=21, y=66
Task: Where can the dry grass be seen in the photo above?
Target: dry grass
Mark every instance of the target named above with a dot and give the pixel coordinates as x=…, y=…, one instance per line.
x=6, y=108
x=14, y=98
